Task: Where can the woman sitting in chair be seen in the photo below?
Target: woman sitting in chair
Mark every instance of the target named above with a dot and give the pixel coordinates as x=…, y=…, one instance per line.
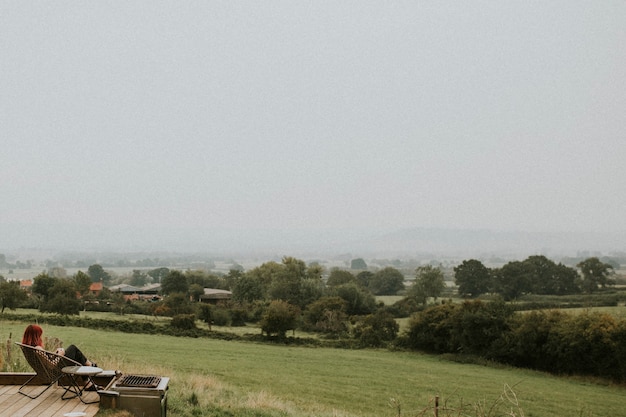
x=32, y=337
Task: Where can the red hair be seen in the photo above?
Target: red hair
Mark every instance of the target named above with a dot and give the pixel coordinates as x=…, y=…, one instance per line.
x=32, y=335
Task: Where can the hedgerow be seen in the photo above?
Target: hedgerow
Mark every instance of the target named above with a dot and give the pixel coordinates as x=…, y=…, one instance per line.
x=589, y=343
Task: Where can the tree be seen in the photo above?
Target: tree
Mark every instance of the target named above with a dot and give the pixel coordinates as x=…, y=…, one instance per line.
x=512, y=280
x=98, y=274
x=286, y=283
x=82, y=283
x=279, y=317
x=138, y=278
x=595, y=272
x=339, y=277
x=265, y=274
x=62, y=298
x=387, y=281
x=178, y=303
x=119, y=303
x=196, y=290
x=374, y=330
x=358, y=263
x=311, y=289
x=315, y=271
x=359, y=300
x=363, y=278
x=206, y=314
x=546, y=277
x=429, y=282
x=158, y=274
x=247, y=289
x=326, y=315
x=472, y=277
x=11, y=295
x=567, y=280
x=42, y=284
x=174, y=282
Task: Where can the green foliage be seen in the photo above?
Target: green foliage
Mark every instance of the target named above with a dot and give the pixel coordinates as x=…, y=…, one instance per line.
x=42, y=284
x=11, y=295
x=363, y=278
x=184, y=322
x=248, y=288
x=358, y=263
x=139, y=278
x=359, y=300
x=553, y=341
x=339, y=277
x=326, y=315
x=195, y=291
x=158, y=274
x=535, y=275
x=286, y=283
x=205, y=313
x=375, y=330
x=174, y=282
x=387, y=281
x=62, y=298
x=473, y=278
x=311, y=289
x=429, y=282
x=221, y=316
x=82, y=282
x=595, y=273
x=178, y=303
x=279, y=317
x=239, y=316
x=98, y=274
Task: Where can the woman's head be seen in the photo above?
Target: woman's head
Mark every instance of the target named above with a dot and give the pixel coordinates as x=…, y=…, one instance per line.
x=32, y=335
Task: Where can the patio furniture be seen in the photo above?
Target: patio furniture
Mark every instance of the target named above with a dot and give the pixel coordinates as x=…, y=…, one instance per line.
x=47, y=365
x=82, y=373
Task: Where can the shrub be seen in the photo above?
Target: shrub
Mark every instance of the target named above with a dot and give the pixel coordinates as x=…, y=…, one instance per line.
x=375, y=330
x=221, y=316
x=279, y=317
x=184, y=322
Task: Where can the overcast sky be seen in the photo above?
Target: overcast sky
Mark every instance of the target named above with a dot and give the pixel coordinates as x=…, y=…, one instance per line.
x=309, y=115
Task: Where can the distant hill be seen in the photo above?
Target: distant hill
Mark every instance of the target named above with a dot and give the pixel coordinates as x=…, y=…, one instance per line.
x=474, y=243
x=364, y=242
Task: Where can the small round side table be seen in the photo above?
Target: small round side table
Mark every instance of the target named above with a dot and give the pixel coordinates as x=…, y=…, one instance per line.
x=76, y=373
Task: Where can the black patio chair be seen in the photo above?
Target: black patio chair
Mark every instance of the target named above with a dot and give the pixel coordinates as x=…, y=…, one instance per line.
x=47, y=365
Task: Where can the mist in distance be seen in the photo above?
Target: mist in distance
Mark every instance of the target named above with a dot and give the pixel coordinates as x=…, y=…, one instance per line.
x=313, y=127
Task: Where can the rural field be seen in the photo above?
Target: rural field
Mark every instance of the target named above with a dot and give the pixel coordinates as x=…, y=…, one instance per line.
x=233, y=378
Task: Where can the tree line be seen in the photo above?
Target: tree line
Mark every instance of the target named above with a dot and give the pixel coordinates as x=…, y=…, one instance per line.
x=341, y=304
x=534, y=275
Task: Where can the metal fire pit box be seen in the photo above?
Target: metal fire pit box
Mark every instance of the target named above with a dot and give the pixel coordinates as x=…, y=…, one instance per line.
x=143, y=395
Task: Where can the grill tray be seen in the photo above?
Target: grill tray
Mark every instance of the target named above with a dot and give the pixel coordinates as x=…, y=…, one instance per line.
x=142, y=381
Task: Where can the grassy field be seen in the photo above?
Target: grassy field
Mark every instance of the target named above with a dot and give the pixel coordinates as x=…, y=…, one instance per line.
x=224, y=378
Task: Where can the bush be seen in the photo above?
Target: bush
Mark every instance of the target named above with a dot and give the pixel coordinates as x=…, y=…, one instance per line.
x=375, y=330
x=279, y=317
x=184, y=322
x=238, y=317
x=553, y=341
x=221, y=316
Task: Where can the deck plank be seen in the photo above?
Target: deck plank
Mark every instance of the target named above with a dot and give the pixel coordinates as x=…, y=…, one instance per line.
x=49, y=404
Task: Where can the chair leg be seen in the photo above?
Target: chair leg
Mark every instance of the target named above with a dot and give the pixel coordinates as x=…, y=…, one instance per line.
x=31, y=396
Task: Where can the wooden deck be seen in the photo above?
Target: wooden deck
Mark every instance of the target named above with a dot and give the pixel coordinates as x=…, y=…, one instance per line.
x=14, y=404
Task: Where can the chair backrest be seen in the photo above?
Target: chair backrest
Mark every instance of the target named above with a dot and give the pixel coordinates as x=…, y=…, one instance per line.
x=47, y=365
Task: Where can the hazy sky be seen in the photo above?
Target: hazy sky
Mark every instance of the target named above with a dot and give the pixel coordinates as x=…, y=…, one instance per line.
x=307, y=115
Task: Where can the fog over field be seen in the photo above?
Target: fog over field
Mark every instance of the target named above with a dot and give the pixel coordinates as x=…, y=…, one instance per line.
x=319, y=127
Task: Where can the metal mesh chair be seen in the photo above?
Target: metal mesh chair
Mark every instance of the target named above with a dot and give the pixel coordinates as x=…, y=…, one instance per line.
x=47, y=365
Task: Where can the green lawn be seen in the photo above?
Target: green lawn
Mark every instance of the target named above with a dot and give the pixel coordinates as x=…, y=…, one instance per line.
x=249, y=379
